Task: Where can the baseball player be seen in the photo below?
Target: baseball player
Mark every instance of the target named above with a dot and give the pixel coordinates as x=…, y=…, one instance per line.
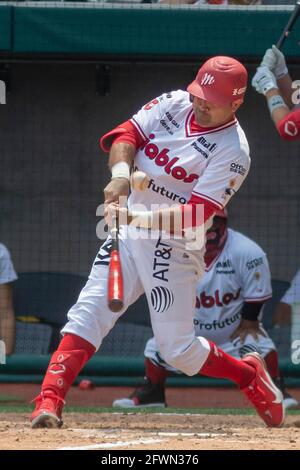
x=229, y=304
x=288, y=321
x=272, y=79
x=283, y=313
x=7, y=316
x=196, y=155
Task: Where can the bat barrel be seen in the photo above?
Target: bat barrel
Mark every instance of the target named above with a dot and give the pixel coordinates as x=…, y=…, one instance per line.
x=115, y=283
x=289, y=25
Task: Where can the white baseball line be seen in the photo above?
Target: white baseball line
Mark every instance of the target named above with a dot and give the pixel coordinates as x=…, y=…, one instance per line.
x=109, y=445
x=190, y=434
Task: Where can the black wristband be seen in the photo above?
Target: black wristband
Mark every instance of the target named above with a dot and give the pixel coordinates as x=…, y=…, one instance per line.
x=251, y=310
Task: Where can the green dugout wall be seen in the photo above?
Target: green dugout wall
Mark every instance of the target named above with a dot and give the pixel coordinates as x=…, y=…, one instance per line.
x=143, y=30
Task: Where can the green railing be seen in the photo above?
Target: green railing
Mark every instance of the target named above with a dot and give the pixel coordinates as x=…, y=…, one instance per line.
x=119, y=371
x=132, y=30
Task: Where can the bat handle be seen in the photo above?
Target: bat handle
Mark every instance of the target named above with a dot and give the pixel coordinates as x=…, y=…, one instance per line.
x=281, y=40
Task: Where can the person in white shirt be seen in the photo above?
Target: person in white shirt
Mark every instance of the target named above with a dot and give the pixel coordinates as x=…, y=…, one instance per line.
x=196, y=156
x=7, y=316
x=230, y=299
x=283, y=312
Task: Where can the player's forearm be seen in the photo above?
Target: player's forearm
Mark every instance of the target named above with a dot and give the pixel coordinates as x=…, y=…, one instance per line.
x=7, y=329
x=7, y=317
x=120, y=161
x=279, y=112
x=121, y=152
x=283, y=314
x=173, y=220
x=169, y=220
x=286, y=89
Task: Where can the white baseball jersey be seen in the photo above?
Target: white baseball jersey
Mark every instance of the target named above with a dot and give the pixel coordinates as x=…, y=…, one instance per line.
x=181, y=162
x=292, y=295
x=239, y=274
x=7, y=272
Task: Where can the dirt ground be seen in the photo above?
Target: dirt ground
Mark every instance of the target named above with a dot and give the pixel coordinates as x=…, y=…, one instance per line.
x=151, y=431
x=119, y=431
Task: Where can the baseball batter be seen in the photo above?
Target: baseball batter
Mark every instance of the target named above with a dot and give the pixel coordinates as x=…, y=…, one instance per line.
x=196, y=156
x=229, y=304
x=272, y=79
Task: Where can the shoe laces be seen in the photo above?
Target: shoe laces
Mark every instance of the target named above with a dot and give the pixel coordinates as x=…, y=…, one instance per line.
x=44, y=395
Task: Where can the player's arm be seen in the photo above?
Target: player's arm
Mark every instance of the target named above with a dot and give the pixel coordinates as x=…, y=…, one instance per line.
x=285, y=85
x=175, y=220
x=255, y=275
x=274, y=60
x=250, y=324
x=283, y=314
x=222, y=178
x=120, y=161
x=122, y=144
x=7, y=317
x=286, y=121
x=283, y=311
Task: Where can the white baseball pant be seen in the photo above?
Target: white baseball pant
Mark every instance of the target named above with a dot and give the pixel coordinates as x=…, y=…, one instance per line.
x=263, y=346
x=168, y=274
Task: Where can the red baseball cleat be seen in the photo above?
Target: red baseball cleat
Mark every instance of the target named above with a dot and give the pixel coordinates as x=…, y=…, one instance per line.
x=263, y=394
x=48, y=409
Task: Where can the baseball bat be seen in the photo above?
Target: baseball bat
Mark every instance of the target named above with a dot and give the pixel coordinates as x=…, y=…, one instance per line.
x=288, y=27
x=115, y=293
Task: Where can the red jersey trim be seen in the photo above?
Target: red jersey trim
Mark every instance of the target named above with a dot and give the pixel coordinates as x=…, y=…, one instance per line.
x=138, y=128
x=258, y=299
x=190, y=133
x=209, y=199
x=125, y=132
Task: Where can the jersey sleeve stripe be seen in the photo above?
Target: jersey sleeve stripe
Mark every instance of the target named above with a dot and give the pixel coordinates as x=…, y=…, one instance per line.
x=209, y=199
x=258, y=299
x=136, y=125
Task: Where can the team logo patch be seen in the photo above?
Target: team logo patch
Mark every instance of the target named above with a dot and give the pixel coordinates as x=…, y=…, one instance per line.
x=207, y=79
x=161, y=299
x=236, y=168
x=291, y=128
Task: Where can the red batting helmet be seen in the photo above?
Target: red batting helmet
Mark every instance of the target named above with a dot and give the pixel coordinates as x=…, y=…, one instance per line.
x=220, y=80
